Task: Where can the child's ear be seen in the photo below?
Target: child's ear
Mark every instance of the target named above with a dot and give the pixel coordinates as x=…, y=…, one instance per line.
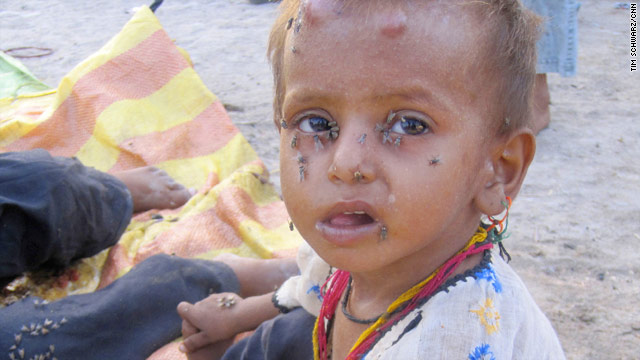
x=510, y=160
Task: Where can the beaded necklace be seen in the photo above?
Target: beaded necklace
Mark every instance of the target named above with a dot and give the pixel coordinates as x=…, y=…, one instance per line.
x=336, y=284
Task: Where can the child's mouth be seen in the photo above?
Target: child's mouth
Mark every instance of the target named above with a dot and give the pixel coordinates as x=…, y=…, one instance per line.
x=346, y=225
x=347, y=218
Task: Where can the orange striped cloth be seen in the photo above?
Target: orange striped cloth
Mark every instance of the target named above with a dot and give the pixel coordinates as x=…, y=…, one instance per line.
x=137, y=102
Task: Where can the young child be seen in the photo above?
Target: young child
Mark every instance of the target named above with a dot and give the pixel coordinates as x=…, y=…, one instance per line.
x=403, y=124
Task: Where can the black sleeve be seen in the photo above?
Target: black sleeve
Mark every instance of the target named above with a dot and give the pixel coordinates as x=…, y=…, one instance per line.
x=285, y=337
x=54, y=210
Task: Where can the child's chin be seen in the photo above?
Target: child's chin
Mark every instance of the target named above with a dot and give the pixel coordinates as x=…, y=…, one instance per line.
x=348, y=262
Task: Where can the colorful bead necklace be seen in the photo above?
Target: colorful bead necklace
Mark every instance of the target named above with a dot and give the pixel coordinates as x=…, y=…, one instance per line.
x=336, y=284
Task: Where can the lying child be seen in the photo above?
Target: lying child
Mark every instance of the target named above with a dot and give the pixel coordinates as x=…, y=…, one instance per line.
x=403, y=125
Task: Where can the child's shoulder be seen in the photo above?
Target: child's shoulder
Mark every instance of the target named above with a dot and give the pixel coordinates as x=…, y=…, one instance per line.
x=485, y=311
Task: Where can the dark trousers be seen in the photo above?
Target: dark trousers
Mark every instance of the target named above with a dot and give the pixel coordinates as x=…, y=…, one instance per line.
x=129, y=319
x=54, y=210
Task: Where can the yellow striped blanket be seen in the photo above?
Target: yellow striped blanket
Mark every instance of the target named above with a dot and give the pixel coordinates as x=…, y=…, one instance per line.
x=137, y=102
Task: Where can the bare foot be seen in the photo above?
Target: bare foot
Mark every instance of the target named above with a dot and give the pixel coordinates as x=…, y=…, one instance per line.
x=152, y=188
x=541, y=99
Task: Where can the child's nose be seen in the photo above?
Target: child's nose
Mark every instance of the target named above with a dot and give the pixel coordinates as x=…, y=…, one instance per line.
x=352, y=158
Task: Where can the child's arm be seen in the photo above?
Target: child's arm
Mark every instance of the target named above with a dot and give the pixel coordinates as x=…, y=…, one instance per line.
x=259, y=276
x=206, y=322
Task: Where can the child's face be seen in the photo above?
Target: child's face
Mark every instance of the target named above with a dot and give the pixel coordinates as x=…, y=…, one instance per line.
x=365, y=203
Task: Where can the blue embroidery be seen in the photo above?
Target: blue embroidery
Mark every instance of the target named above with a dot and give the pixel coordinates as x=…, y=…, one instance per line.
x=482, y=352
x=490, y=275
x=316, y=290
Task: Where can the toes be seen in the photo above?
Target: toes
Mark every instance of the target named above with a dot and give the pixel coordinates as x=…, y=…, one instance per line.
x=154, y=170
x=179, y=197
x=172, y=185
x=156, y=189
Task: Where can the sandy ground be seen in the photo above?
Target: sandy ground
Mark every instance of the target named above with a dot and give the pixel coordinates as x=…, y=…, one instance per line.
x=576, y=224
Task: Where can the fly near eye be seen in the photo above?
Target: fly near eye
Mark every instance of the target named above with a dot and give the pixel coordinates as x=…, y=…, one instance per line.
x=314, y=124
x=409, y=125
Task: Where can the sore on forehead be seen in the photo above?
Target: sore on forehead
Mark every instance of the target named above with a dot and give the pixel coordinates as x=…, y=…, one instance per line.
x=449, y=32
x=391, y=22
x=443, y=39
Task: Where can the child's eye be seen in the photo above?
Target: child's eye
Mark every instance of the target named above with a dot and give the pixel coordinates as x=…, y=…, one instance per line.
x=313, y=124
x=409, y=124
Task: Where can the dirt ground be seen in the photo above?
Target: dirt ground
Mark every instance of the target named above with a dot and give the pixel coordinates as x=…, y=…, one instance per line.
x=576, y=223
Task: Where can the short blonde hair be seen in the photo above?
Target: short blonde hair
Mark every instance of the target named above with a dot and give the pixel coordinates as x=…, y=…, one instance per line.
x=511, y=54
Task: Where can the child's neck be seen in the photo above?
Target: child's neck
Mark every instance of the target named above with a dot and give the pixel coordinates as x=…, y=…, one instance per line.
x=373, y=292
x=369, y=296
